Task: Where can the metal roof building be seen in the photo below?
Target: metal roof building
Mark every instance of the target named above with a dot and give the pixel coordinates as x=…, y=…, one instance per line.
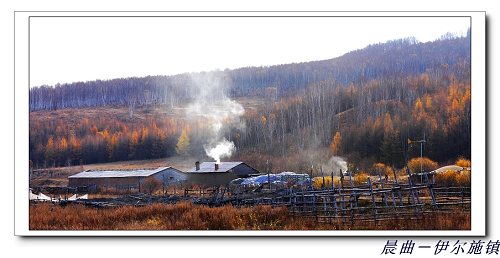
x=126, y=179
x=212, y=173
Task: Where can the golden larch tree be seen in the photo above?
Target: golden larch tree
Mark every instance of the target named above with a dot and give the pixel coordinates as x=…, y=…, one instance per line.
x=336, y=144
x=182, y=147
x=418, y=106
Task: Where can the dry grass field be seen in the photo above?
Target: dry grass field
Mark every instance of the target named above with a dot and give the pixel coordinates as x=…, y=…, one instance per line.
x=187, y=216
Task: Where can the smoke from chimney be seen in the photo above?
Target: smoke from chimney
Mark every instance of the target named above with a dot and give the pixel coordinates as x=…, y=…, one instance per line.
x=336, y=164
x=223, y=114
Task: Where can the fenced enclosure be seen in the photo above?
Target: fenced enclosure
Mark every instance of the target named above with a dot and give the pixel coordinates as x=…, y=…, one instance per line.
x=351, y=202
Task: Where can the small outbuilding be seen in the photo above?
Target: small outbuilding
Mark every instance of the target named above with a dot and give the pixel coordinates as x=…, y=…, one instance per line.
x=216, y=174
x=126, y=179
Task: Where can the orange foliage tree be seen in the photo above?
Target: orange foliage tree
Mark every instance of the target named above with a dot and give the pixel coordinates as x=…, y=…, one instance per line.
x=336, y=144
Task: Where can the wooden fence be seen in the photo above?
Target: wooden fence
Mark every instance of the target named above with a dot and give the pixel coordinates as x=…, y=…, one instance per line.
x=373, y=201
x=347, y=201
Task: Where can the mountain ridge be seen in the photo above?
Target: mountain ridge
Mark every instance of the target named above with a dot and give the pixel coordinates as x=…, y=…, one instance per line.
x=394, y=58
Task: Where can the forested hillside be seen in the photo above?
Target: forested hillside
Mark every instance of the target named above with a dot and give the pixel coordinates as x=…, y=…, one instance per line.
x=398, y=58
x=363, y=106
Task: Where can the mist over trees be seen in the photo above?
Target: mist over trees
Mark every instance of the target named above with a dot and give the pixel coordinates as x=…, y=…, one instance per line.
x=364, y=105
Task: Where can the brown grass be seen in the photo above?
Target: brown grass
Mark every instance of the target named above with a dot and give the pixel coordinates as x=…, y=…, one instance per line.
x=453, y=178
x=186, y=216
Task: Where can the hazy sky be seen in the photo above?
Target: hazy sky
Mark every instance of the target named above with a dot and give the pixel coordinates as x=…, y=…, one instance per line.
x=69, y=49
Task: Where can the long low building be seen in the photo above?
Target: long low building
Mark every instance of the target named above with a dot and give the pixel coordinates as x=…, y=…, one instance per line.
x=126, y=179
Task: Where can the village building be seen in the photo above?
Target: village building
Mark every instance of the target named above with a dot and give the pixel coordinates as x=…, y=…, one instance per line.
x=126, y=179
x=216, y=174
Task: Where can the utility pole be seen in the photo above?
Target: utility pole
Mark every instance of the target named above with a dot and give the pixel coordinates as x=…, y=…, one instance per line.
x=421, y=151
x=268, y=176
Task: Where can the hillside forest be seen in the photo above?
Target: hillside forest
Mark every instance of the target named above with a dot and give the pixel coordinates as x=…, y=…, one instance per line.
x=366, y=106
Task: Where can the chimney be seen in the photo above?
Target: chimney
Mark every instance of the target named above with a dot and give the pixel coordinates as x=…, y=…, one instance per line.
x=216, y=166
x=197, y=164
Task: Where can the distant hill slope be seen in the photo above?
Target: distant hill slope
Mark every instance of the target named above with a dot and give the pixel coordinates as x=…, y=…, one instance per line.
x=394, y=59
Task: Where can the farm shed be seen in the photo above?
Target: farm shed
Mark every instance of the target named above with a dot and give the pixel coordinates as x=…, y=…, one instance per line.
x=214, y=174
x=126, y=179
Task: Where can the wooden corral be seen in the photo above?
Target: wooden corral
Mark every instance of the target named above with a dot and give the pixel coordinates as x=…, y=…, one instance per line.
x=377, y=200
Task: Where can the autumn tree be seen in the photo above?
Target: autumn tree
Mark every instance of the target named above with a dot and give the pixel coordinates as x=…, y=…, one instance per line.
x=50, y=151
x=336, y=144
x=112, y=146
x=76, y=148
x=390, y=149
x=182, y=147
x=133, y=144
x=62, y=151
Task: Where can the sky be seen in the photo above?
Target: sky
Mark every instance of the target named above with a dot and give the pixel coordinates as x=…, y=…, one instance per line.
x=71, y=49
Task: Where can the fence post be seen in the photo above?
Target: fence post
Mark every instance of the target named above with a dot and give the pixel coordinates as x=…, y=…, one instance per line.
x=414, y=195
x=324, y=206
x=374, y=205
x=341, y=188
x=383, y=186
x=314, y=207
x=322, y=175
x=397, y=185
x=334, y=198
x=462, y=193
x=431, y=191
x=352, y=190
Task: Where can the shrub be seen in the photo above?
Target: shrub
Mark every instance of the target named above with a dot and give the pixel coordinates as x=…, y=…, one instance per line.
x=427, y=165
x=318, y=182
x=383, y=169
x=453, y=178
x=463, y=178
x=446, y=178
x=462, y=162
x=360, y=178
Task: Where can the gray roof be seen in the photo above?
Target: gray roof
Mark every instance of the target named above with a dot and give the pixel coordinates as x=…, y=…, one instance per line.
x=446, y=168
x=119, y=173
x=207, y=167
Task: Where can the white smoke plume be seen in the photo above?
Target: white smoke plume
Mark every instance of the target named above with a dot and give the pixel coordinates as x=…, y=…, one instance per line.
x=222, y=113
x=335, y=164
x=222, y=149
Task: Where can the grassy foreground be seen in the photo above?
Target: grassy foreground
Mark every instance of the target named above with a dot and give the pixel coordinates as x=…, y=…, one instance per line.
x=186, y=216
